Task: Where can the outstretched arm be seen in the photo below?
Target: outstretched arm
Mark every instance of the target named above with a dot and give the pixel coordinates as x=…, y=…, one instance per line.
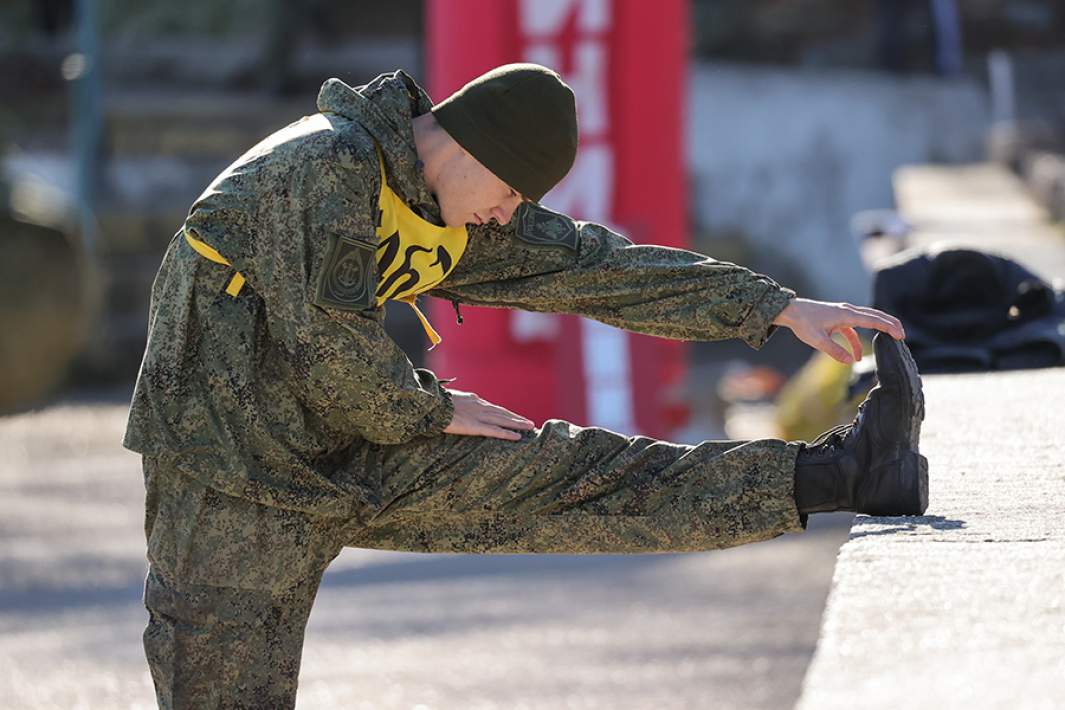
x=545, y=261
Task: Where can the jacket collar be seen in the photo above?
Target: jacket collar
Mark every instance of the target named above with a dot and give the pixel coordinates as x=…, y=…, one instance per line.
x=385, y=107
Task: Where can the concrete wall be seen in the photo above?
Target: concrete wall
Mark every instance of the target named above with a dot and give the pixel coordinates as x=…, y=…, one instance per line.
x=785, y=157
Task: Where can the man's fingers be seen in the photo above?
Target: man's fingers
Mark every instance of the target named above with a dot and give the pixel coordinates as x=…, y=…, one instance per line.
x=498, y=432
x=507, y=422
x=480, y=428
x=877, y=320
x=476, y=417
x=504, y=415
x=834, y=350
x=868, y=320
x=855, y=342
x=495, y=418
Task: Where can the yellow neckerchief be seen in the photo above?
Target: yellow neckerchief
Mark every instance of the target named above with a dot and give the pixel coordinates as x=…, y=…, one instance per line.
x=414, y=255
x=429, y=254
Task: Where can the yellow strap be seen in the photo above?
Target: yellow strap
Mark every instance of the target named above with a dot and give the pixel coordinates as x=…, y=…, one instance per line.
x=434, y=337
x=210, y=253
x=235, y=284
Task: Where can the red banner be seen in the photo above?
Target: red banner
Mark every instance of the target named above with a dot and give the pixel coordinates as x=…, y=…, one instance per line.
x=626, y=62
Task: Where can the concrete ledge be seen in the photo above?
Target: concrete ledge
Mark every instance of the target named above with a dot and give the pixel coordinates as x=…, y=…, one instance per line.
x=963, y=607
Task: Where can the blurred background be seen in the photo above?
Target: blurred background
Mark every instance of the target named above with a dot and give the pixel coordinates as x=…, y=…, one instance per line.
x=115, y=115
x=795, y=115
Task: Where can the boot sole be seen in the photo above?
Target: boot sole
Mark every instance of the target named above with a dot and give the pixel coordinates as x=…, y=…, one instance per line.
x=914, y=376
x=910, y=488
x=918, y=465
x=914, y=465
x=913, y=384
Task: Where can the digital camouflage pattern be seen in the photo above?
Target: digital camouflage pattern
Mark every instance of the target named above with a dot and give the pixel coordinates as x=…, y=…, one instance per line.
x=283, y=424
x=570, y=489
x=220, y=638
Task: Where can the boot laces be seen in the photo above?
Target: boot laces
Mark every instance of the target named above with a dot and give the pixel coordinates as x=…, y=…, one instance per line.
x=836, y=437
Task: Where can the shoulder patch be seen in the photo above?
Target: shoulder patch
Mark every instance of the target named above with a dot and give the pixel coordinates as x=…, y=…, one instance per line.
x=542, y=227
x=349, y=278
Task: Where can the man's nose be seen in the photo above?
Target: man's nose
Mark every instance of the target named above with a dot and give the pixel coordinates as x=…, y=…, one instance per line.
x=505, y=211
x=503, y=214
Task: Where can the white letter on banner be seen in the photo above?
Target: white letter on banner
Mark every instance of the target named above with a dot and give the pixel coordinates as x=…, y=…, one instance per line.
x=588, y=80
x=546, y=54
x=588, y=189
x=540, y=18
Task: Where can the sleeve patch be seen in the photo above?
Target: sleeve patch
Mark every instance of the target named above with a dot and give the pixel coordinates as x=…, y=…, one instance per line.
x=349, y=278
x=540, y=226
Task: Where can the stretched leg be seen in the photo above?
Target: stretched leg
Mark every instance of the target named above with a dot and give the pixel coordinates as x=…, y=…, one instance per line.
x=564, y=488
x=228, y=593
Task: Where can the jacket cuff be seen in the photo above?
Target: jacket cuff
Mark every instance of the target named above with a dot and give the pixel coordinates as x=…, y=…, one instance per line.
x=757, y=326
x=440, y=417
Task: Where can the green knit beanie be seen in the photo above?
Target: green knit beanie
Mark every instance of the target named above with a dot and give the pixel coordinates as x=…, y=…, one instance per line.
x=519, y=121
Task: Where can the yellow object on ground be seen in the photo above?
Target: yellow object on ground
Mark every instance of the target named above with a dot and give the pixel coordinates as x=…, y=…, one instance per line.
x=816, y=399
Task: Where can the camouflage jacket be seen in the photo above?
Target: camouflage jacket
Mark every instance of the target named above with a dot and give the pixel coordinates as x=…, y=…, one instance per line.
x=271, y=395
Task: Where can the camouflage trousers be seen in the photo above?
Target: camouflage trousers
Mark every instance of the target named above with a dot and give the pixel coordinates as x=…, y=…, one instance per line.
x=231, y=582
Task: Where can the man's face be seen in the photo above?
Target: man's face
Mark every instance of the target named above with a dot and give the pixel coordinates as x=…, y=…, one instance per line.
x=468, y=193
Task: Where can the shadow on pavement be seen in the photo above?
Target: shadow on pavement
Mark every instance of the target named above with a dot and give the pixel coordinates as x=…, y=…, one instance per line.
x=911, y=524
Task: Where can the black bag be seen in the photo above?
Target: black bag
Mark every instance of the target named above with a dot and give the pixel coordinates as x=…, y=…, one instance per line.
x=967, y=310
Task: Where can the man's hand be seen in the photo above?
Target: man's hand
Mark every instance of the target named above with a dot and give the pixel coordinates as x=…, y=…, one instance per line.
x=476, y=417
x=813, y=322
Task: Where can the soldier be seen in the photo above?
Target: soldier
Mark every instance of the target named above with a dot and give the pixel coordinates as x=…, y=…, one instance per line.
x=278, y=422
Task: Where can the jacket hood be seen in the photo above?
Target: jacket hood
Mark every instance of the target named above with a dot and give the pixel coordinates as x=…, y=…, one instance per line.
x=385, y=108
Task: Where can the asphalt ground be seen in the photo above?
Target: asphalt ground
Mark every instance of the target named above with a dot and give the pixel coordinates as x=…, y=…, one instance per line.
x=726, y=629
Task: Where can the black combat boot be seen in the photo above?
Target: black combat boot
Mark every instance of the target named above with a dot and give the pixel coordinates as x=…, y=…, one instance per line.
x=872, y=464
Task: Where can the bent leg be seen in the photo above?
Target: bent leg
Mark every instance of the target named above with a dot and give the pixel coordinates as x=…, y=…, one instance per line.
x=228, y=593
x=571, y=489
x=216, y=647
